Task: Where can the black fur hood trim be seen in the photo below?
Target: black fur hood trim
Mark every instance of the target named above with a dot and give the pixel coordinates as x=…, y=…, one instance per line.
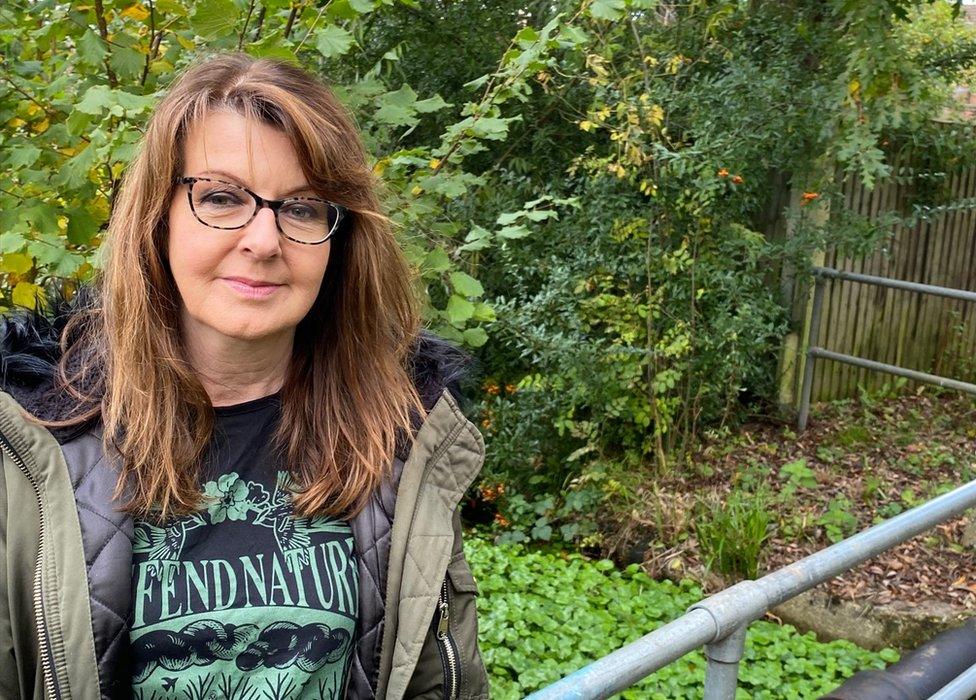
x=30, y=350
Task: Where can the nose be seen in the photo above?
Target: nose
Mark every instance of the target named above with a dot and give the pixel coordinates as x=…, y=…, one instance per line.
x=260, y=238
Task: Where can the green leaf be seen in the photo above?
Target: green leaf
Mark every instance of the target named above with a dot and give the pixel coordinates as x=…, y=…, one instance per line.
x=22, y=156
x=91, y=49
x=509, y=217
x=75, y=170
x=41, y=217
x=475, y=337
x=214, y=18
x=437, y=261
x=611, y=10
x=466, y=285
x=127, y=63
x=333, y=40
x=459, y=309
x=96, y=99
x=82, y=226
x=431, y=104
x=362, y=6
x=483, y=313
x=397, y=108
x=518, y=231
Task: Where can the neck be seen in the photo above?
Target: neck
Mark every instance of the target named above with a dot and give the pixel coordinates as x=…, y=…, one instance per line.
x=234, y=370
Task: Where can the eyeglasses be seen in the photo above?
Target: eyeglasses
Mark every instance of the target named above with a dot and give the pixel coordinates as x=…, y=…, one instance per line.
x=224, y=205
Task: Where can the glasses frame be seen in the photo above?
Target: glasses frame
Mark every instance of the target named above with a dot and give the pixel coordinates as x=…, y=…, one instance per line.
x=260, y=203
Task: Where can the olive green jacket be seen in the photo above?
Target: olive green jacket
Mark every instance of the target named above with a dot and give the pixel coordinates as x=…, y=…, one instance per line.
x=428, y=627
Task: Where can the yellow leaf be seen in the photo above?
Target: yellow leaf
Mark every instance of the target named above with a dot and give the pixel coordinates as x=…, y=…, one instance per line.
x=416, y=190
x=136, y=12
x=33, y=109
x=41, y=127
x=854, y=87
x=15, y=122
x=25, y=294
x=17, y=263
x=435, y=163
x=587, y=125
x=185, y=43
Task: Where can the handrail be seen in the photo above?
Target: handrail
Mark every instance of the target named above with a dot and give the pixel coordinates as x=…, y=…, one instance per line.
x=720, y=621
x=814, y=352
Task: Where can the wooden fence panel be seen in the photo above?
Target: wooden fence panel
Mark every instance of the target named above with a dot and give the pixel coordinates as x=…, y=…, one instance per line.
x=903, y=328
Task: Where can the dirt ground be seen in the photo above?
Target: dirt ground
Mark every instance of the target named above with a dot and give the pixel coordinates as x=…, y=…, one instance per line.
x=860, y=462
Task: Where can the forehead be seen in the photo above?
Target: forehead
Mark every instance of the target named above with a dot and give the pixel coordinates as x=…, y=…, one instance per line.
x=253, y=151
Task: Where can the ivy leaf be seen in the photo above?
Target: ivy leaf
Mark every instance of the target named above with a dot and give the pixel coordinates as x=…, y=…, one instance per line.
x=466, y=285
x=459, y=309
x=215, y=17
x=333, y=40
x=91, y=49
x=611, y=10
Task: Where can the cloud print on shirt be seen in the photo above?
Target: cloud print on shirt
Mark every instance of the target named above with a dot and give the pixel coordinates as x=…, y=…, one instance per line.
x=279, y=645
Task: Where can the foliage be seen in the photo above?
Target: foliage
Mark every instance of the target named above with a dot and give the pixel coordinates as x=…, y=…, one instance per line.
x=78, y=83
x=731, y=534
x=542, y=616
x=598, y=187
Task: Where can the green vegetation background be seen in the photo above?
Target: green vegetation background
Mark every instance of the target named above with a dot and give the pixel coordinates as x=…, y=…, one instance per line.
x=602, y=198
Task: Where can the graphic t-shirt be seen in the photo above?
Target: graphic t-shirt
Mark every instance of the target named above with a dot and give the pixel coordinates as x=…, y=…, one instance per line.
x=243, y=600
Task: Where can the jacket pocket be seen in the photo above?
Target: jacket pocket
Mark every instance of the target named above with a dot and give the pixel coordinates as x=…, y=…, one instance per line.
x=463, y=625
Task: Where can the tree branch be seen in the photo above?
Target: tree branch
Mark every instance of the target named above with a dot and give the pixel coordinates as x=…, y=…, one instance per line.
x=113, y=82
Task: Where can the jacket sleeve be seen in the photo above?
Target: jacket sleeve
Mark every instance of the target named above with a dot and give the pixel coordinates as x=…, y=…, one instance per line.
x=429, y=679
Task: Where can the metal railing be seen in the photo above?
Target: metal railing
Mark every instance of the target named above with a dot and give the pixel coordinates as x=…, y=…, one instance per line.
x=720, y=622
x=814, y=352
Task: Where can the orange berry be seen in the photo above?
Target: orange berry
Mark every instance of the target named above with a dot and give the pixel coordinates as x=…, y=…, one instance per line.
x=723, y=172
x=737, y=180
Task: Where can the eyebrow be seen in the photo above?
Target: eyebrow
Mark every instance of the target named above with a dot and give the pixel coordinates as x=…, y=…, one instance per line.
x=239, y=181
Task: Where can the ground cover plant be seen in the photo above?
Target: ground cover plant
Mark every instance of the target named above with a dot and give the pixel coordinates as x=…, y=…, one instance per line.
x=543, y=615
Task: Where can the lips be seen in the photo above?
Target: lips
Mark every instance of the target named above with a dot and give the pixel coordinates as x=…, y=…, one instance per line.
x=248, y=289
x=251, y=283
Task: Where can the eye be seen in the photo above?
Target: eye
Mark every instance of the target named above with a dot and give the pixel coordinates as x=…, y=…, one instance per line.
x=301, y=211
x=221, y=198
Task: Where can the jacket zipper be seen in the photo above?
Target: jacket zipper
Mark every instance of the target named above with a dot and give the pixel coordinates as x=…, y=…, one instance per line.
x=448, y=647
x=47, y=656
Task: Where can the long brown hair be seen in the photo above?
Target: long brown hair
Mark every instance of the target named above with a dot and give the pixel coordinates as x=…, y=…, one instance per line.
x=348, y=396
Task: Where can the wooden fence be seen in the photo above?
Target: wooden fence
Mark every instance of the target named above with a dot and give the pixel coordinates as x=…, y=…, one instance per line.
x=903, y=328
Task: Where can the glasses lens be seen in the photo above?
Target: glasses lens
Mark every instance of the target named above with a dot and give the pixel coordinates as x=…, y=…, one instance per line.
x=221, y=205
x=307, y=220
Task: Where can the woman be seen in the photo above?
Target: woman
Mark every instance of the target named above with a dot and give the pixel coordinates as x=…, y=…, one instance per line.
x=234, y=469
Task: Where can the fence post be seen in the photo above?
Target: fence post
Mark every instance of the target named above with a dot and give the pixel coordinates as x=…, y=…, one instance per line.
x=812, y=339
x=722, y=673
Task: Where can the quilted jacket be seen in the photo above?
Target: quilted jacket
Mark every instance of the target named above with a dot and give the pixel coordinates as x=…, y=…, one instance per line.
x=66, y=551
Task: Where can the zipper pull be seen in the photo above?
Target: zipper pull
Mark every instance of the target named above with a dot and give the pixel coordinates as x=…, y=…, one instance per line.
x=445, y=614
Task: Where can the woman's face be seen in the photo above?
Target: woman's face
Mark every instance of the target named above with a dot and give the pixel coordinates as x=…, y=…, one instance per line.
x=250, y=283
